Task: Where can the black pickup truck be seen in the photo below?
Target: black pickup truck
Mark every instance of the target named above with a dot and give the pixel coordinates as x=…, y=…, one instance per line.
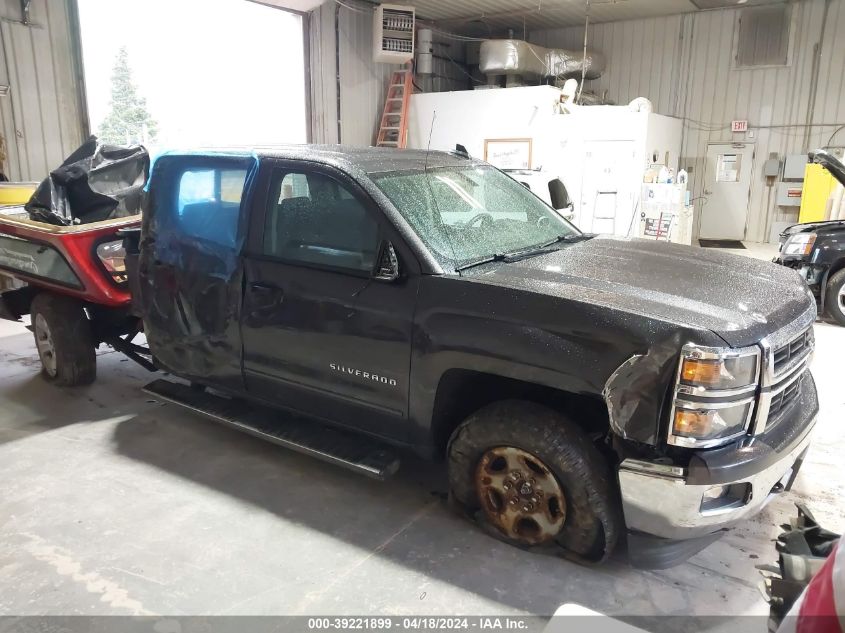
x=817, y=250
x=584, y=390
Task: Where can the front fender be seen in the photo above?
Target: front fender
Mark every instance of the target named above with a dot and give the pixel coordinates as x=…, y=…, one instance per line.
x=569, y=346
x=636, y=391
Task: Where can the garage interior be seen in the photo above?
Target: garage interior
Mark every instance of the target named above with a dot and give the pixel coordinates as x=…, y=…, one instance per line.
x=701, y=117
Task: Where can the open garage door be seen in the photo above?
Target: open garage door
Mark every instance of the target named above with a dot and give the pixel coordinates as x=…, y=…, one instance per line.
x=194, y=72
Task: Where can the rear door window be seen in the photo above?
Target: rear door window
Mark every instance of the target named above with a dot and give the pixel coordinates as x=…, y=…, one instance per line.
x=208, y=203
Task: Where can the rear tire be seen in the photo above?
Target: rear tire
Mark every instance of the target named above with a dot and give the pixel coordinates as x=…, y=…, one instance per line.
x=537, y=449
x=834, y=300
x=64, y=340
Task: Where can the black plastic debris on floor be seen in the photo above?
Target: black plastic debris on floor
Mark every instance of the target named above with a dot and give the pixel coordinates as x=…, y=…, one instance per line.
x=721, y=244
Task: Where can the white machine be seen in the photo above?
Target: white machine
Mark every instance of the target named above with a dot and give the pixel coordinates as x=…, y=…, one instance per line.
x=599, y=152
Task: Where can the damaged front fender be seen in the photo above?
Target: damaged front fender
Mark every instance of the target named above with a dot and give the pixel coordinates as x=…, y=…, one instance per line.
x=635, y=392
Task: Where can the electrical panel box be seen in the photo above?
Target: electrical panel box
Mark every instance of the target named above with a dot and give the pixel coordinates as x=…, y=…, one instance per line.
x=393, y=33
x=789, y=193
x=771, y=168
x=793, y=166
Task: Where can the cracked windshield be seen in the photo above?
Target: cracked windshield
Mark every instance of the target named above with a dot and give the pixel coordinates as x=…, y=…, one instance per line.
x=466, y=214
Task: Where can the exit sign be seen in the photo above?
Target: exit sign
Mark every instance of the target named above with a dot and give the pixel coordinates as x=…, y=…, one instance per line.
x=739, y=126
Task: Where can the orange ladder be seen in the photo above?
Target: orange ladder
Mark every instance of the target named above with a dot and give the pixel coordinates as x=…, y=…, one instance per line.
x=393, y=130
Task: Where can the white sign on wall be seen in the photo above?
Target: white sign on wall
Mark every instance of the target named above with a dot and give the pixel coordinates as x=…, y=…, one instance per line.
x=508, y=153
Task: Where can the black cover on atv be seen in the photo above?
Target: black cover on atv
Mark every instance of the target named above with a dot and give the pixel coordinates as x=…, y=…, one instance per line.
x=96, y=182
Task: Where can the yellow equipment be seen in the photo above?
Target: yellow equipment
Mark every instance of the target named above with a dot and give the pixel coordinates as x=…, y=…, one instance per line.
x=14, y=193
x=818, y=184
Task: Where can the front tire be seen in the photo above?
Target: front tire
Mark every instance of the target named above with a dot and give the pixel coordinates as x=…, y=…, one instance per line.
x=505, y=453
x=834, y=301
x=64, y=340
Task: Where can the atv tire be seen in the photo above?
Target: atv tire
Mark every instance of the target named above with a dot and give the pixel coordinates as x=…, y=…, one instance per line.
x=64, y=340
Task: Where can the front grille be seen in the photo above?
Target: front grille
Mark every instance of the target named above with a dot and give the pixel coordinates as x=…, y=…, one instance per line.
x=781, y=401
x=796, y=348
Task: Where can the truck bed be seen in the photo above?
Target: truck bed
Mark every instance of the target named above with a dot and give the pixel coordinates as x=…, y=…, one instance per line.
x=61, y=258
x=14, y=220
x=16, y=211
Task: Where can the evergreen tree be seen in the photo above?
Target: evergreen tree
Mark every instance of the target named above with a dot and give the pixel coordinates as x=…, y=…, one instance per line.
x=128, y=120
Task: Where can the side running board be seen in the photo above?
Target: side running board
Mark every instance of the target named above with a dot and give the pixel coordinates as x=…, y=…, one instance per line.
x=357, y=453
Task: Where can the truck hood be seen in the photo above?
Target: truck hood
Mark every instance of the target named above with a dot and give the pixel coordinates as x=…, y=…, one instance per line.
x=837, y=169
x=809, y=227
x=739, y=298
x=829, y=162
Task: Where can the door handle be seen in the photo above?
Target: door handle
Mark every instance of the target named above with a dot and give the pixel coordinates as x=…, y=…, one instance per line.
x=263, y=288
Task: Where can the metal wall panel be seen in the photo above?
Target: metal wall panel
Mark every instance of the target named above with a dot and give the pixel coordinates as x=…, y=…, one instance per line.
x=323, y=97
x=643, y=57
x=685, y=65
x=42, y=119
x=363, y=83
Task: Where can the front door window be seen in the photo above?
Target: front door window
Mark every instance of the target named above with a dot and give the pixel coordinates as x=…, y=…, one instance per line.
x=314, y=220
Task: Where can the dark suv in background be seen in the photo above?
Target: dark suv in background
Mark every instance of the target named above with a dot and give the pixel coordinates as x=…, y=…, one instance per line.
x=817, y=251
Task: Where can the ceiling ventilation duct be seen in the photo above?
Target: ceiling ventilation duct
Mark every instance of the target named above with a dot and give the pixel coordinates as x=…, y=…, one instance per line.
x=516, y=57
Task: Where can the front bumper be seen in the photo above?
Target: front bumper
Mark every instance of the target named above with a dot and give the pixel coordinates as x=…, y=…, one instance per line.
x=668, y=501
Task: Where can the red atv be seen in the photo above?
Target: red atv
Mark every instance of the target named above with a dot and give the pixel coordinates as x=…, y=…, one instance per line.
x=75, y=291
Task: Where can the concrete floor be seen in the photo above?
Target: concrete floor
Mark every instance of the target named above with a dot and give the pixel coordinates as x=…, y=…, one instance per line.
x=111, y=503
x=757, y=250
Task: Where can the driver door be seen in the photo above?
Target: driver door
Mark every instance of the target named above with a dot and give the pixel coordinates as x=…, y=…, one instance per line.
x=321, y=333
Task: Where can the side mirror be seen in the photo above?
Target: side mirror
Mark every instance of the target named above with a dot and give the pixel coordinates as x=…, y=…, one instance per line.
x=559, y=195
x=388, y=264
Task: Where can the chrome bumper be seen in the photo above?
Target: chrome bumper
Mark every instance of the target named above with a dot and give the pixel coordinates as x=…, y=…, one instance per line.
x=657, y=499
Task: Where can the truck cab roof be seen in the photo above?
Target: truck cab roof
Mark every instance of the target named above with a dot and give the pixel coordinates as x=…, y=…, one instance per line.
x=371, y=160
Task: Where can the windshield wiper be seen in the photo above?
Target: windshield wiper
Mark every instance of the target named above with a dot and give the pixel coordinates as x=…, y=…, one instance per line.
x=497, y=257
x=526, y=252
x=542, y=249
x=569, y=238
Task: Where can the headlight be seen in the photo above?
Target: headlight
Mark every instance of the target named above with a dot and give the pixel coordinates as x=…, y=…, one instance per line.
x=705, y=425
x=714, y=395
x=800, y=244
x=720, y=373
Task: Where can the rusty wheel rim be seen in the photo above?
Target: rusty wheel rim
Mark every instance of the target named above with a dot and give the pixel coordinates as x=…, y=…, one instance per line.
x=520, y=495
